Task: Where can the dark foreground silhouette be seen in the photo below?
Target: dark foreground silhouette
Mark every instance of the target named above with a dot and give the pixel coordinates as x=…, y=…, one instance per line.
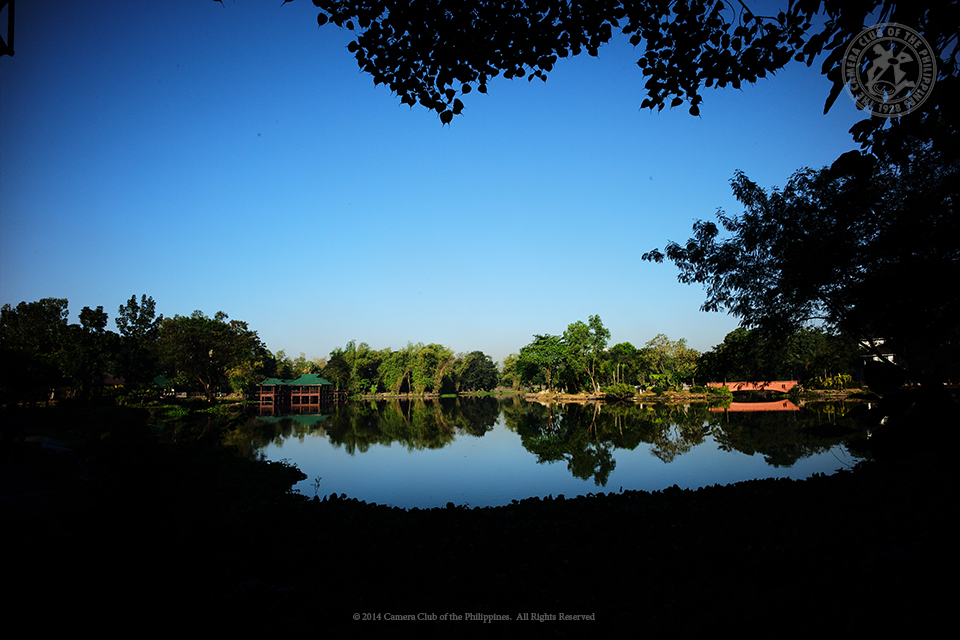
x=129, y=535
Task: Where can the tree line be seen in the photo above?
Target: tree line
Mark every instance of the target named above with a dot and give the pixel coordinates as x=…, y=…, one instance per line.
x=579, y=360
x=45, y=357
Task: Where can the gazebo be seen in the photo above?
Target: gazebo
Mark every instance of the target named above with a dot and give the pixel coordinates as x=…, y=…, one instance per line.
x=307, y=392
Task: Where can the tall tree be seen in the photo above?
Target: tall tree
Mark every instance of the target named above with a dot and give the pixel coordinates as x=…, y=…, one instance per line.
x=396, y=368
x=585, y=344
x=542, y=357
x=139, y=321
x=509, y=373
x=670, y=361
x=430, y=363
x=623, y=363
x=139, y=326
x=31, y=334
x=480, y=372
x=39, y=325
x=88, y=351
x=844, y=247
x=203, y=349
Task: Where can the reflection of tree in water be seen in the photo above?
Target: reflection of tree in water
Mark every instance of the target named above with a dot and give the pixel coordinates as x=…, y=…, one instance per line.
x=415, y=424
x=574, y=433
x=358, y=426
x=586, y=437
x=255, y=433
x=178, y=425
x=782, y=438
x=474, y=416
x=675, y=430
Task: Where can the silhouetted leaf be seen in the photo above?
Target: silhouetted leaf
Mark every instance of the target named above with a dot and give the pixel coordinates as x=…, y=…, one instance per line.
x=835, y=74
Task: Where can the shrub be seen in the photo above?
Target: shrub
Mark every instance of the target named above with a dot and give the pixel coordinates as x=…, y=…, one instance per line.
x=620, y=391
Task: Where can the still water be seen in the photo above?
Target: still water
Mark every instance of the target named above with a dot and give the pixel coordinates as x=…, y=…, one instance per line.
x=485, y=452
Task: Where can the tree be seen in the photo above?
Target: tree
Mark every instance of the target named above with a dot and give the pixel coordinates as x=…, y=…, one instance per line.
x=740, y=357
x=396, y=367
x=284, y=366
x=585, y=344
x=480, y=372
x=139, y=326
x=302, y=366
x=139, y=321
x=38, y=325
x=429, y=366
x=31, y=334
x=245, y=376
x=747, y=355
x=847, y=248
x=542, y=357
x=205, y=349
x=88, y=350
x=669, y=361
x=509, y=373
x=354, y=368
x=437, y=51
x=622, y=358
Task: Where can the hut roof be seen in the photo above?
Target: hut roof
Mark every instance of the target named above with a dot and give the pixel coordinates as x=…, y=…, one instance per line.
x=306, y=380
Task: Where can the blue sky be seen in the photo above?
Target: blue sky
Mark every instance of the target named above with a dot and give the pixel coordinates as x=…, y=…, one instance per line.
x=234, y=158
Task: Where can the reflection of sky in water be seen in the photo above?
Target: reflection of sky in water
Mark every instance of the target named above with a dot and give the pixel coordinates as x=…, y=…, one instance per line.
x=495, y=469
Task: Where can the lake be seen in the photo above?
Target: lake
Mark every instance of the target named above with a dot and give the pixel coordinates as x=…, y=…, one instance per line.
x=488, y=452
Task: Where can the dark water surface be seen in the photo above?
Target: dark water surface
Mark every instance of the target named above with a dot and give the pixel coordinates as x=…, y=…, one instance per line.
x=485, y=452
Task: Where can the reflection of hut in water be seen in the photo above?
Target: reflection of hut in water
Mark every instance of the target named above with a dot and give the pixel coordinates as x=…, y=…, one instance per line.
x=303, y=395
x=778, y=405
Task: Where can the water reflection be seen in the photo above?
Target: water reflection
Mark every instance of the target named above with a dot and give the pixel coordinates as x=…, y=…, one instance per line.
x=596, y=444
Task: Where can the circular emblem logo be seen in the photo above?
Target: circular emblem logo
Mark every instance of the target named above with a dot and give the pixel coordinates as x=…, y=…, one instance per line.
x=889, y=70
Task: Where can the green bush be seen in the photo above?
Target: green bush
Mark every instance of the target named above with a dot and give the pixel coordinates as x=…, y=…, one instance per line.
x=719, y=391
x=657, y=390
x=620, y=391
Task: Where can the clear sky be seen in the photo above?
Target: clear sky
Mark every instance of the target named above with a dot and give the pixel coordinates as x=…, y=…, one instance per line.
x=234, y=158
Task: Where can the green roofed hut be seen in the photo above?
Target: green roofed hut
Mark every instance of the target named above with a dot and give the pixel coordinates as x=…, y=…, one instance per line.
x=303, y=395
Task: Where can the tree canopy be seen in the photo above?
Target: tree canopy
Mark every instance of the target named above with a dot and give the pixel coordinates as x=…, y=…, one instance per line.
x=808, y=355
x=435, y=52
x=204, y=349
x=585, y=344
x=42, y=352
x=857, y=248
